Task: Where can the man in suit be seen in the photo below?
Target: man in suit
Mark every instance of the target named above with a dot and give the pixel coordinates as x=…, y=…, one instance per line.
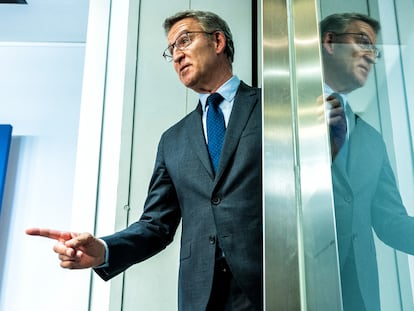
x=217, y=197
x=366, y=196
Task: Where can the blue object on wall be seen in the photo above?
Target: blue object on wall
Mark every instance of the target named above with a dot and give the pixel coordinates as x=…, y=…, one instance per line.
x=5, y=140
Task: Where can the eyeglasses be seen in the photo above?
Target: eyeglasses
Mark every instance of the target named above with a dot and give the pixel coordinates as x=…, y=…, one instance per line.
x=181, y=43
x=363, y=42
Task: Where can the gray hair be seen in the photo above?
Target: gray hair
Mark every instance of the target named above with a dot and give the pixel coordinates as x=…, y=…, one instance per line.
x=209, y=22
x=339, y=22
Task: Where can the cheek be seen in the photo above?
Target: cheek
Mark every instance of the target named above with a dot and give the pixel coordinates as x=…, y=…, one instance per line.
x=176, y=66
x=351, y=63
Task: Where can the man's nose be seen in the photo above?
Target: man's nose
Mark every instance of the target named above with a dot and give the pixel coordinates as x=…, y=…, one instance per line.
x=177, y=54
x=370, y=57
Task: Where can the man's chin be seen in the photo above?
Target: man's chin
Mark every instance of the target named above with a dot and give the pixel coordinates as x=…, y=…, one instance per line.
x=360, y=82
x=185, y=80
x=362, y=78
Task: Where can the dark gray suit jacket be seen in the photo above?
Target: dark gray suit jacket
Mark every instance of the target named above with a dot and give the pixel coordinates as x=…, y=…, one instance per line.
x=366, y=197
x=226, y=208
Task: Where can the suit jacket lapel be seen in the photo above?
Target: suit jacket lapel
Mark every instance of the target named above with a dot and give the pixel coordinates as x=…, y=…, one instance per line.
x=356, y=156
x=197, y=139
x=244, y=102
x=341, y=175
x=362, y=154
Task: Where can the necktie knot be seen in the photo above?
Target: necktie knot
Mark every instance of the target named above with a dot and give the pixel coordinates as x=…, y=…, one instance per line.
x=214, y=100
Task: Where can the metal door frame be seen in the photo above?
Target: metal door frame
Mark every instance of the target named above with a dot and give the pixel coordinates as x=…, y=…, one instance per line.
x=300, y=250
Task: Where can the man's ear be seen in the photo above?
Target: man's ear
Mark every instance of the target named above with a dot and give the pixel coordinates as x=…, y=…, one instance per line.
x=328, y=42
x=219, y=40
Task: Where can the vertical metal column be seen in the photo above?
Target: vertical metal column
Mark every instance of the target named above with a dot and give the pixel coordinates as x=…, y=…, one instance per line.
x=281, y=266
x=300, y=253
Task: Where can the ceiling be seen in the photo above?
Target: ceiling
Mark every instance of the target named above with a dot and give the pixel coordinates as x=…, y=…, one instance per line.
x=44, y=21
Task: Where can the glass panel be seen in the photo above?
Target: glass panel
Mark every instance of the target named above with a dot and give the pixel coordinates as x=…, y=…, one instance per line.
x=298, y=209
x=317, y=239
x=367, y=74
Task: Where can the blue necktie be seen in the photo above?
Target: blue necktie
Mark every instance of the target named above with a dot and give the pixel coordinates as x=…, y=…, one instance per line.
x=338, y=133
x=215, y=128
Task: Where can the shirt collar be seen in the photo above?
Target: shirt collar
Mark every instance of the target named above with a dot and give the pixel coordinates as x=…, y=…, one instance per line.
x=228, y=90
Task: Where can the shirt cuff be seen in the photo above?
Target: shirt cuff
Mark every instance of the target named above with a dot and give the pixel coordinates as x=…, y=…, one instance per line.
x=105, y=264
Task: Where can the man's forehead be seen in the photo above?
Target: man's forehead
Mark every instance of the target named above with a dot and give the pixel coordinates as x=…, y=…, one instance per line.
x=361, y=26
x=181, y=26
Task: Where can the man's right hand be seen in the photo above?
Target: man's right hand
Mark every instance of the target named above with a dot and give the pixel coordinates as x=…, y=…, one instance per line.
x=75, y=250
x=331, y=109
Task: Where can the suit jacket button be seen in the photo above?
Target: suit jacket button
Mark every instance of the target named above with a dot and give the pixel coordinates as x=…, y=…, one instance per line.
x=212, y=239
x=216, y=200
x=348, y=198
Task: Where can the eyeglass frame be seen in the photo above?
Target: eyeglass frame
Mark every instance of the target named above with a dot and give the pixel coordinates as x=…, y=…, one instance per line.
x=169, y=51
x=369, y=46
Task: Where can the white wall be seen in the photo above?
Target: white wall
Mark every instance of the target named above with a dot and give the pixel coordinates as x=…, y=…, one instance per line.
x=41, y=60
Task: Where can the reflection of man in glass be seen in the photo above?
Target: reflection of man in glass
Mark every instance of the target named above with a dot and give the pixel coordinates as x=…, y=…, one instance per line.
x=365, y=190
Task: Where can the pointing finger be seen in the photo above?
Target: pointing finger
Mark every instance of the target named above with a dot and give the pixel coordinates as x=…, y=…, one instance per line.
x=50, y=233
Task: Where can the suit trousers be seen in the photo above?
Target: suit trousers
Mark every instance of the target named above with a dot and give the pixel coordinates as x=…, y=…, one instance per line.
x=226, y=294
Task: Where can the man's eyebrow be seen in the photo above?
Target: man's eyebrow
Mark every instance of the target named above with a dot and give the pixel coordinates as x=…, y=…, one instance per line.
x=179, y=34
x=367, y=36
